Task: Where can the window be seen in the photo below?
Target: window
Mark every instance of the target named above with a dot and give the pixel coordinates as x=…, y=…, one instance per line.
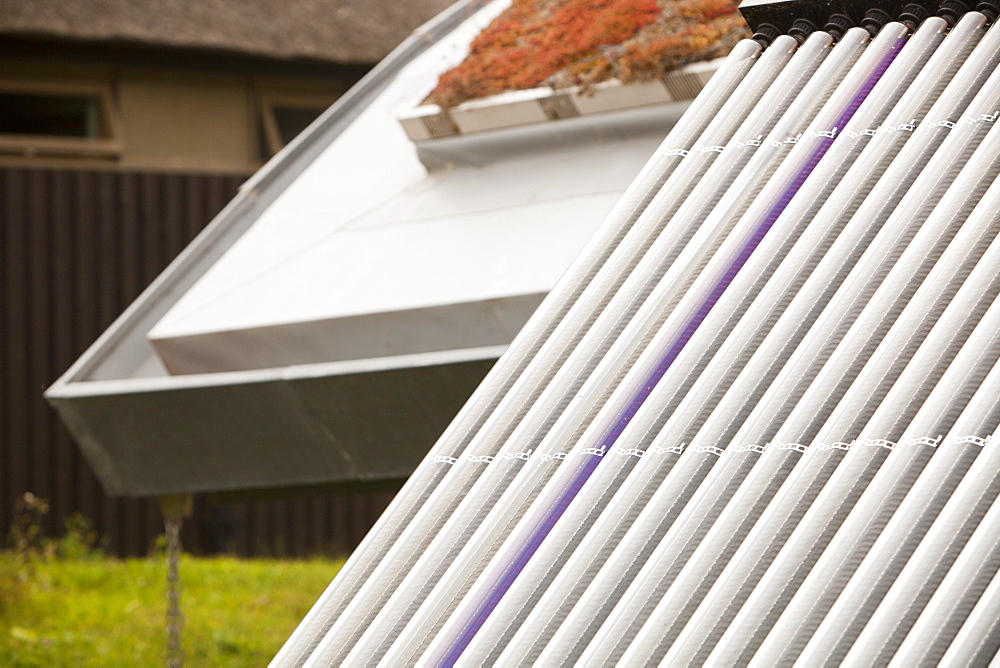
x=62, y=115
x=284, y=117
x=57, y=119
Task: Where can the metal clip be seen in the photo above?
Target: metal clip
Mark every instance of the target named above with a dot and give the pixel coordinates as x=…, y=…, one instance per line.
x=925, y=440
x=671, y=450
x=634, y=452
x=974, y=440
x=880, y=443
x=838, y=445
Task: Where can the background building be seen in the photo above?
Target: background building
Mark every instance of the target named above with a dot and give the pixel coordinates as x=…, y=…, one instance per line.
x=124, y=128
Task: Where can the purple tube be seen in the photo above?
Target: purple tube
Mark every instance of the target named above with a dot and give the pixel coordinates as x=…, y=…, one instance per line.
x=584, y=470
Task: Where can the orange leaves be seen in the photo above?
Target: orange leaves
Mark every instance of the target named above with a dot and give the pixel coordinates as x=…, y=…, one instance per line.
x=572, y=42
x=644, y=60
x=705, y=10
x=533, y=39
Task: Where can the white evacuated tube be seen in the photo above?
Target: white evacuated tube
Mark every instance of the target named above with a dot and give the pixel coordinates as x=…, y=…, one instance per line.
x=894, y=616
x=905, y=496
x=978, y=640
x=826, y=580
x=955, y=596
x=668, y=530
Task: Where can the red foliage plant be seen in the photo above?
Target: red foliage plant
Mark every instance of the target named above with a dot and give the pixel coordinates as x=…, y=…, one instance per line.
x=581, y=42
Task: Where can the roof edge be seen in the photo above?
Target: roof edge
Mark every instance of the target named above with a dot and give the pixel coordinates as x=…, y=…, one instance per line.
x=100, y=388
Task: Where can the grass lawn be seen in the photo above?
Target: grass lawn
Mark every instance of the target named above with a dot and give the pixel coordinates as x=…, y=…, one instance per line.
x=97, y=611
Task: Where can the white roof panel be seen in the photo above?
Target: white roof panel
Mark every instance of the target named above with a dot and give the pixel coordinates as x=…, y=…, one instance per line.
x=368, y=229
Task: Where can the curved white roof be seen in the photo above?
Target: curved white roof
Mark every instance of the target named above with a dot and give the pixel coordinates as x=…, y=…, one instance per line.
x=461, y=252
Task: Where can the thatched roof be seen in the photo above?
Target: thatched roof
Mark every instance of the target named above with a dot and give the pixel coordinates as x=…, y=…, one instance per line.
x=337, y=31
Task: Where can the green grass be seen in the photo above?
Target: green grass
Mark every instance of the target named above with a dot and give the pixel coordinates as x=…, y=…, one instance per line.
x=97, y=611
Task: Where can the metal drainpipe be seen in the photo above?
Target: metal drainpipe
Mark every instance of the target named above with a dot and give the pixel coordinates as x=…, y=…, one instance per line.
x=174, y=509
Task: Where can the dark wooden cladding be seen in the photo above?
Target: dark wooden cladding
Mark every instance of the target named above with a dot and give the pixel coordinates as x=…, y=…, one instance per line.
x=76, y=247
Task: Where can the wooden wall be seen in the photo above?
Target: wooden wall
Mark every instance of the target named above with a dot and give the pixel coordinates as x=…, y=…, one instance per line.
x=76, y=247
